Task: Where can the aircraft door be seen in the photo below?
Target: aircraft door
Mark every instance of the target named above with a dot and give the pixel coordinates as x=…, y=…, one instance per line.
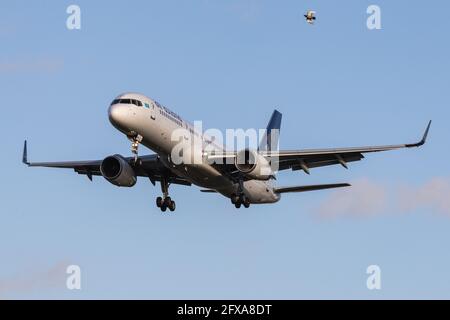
x=151, y=106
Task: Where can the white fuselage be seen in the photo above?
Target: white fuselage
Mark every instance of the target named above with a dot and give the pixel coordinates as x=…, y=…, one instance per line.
x=156, y=124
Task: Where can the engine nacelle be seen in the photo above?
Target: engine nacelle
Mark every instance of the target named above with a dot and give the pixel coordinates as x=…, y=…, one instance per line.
x=253, y=165
x=118, y=171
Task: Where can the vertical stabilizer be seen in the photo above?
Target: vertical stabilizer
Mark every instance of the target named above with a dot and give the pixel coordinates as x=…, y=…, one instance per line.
x=270, y=139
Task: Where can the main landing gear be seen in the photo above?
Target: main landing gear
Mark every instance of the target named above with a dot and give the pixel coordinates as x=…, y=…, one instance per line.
x=240, y=199
x=165, y=202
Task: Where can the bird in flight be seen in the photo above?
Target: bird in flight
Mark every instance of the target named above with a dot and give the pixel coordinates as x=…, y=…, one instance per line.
x=310, y=16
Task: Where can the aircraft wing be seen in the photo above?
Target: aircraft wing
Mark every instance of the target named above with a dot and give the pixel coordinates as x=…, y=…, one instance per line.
x=148, y=166
x=313, y=158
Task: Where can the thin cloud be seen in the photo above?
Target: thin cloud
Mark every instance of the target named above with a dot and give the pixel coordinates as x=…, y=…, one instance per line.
x=43, y=65
x=369, y=198
x=435, y=195
x=364, y=198
x=29, y=282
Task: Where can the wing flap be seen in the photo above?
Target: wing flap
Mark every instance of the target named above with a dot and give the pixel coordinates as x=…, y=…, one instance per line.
x=309, y=162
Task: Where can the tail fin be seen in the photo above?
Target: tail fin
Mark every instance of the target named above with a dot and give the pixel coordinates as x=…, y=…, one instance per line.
x=270, y=139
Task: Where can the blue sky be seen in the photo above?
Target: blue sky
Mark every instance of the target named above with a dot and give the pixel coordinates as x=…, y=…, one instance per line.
x=228, y=63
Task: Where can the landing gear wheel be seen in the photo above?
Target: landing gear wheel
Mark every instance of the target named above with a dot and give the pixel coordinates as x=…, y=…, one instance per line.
x=237, y=205
x=172, y=206
x=246, y=202
x=234, y=199
x=163, y=208
x=159, y=202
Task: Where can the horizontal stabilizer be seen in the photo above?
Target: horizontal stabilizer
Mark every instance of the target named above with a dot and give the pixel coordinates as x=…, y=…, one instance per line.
x=310, y=188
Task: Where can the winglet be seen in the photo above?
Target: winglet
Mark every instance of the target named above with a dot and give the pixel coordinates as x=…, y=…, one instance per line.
x=25, y=154
x=424, y=138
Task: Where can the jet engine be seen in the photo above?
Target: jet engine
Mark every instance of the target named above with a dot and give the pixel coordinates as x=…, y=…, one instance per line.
x=253, y=165
x=118, y=171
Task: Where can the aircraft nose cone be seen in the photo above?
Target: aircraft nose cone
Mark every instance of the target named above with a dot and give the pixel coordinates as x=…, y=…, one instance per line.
x=117, y=115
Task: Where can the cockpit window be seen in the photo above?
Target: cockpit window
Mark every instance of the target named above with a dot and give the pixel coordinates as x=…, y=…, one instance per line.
x=127, y=101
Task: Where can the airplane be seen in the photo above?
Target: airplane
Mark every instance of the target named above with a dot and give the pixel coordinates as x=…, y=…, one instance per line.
x=310, y=16
x=147, y=122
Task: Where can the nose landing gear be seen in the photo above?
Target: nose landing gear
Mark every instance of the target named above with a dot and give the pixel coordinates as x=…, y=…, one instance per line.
x=165, y=202
x=135, y=141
